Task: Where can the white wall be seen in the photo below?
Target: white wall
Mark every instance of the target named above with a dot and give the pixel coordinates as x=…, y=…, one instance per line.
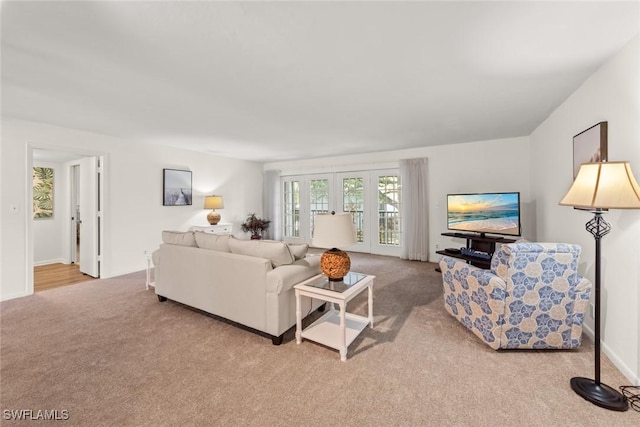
x=612, y=94
x=133, y=212
x=48, y=236
x=485, y=166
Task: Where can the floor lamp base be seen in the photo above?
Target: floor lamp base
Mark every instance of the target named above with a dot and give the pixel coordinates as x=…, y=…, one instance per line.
x=599, y=394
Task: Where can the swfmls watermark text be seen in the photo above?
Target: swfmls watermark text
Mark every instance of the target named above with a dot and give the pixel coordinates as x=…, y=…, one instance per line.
x=35, y=414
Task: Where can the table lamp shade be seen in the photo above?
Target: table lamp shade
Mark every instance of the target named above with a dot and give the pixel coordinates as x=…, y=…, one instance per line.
x=213, y=203
x=607, y=185
x=334, y=231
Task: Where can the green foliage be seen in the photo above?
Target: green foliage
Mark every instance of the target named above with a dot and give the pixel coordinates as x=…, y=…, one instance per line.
x=42, y=192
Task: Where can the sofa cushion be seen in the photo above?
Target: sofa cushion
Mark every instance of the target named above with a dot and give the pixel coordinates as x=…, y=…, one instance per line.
x=215, y=242
x=181, y=238
x=277, y=252
x=298, y=250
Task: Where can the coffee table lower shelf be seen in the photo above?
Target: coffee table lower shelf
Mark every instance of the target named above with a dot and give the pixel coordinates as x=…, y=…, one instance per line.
x=326, y=330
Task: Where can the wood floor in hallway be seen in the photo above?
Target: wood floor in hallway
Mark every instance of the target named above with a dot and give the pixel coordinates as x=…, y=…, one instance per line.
x=55, y=275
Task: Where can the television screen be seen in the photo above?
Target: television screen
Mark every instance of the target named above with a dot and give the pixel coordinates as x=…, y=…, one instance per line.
x=495, y=213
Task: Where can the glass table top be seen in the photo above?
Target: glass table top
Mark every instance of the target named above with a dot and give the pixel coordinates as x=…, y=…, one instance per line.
x=347, y=282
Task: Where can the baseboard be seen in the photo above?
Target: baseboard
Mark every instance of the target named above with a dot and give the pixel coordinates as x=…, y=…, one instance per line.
x=109, y=275
x=51, y=261
x=617, y=362
x=14, y=295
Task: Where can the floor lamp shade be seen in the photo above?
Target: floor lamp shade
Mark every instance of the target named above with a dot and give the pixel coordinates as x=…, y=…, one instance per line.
x=607, y=185
x=334, y=231
x=213, y=203
x=598, y=186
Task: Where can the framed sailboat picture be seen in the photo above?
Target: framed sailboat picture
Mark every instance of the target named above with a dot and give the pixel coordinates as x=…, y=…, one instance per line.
x=176, y=187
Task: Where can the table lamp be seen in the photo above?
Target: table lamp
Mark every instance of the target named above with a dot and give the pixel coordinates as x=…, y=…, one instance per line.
x=598, y=186
x=213, y=203
x=334, y=231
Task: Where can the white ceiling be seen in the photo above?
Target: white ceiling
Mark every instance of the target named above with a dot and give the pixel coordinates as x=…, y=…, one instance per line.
x=285, y=80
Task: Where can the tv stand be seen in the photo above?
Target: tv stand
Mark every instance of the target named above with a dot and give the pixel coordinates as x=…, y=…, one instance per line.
x=478, y=242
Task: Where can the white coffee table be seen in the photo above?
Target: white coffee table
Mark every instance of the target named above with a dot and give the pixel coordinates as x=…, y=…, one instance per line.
x=336, y=328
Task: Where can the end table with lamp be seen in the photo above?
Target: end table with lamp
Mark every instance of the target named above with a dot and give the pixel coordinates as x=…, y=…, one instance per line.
x=336, y=328
x=337, y=286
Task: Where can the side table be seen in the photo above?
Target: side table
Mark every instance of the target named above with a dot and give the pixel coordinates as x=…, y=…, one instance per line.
x=336, y=328
x=220, y=228
x=149, y=282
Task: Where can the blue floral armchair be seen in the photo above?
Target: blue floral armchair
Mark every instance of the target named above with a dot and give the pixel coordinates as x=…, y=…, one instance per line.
x=532, y=297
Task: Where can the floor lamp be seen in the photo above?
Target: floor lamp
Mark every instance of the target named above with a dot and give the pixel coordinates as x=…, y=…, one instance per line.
x=600, y=186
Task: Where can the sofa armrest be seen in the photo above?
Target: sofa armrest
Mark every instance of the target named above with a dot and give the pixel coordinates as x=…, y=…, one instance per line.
x=283, y=278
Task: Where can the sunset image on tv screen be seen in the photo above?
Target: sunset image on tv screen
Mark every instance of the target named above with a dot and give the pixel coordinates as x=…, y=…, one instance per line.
x=497, y=213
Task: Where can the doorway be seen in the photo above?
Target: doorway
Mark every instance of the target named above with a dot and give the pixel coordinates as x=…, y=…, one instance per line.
x=67, y=249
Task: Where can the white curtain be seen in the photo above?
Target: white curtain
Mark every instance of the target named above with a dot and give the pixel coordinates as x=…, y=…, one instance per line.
x=415, y=209
x=271, y=204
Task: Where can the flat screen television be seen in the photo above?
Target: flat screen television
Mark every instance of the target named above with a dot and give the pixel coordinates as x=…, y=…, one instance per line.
x=484, y=213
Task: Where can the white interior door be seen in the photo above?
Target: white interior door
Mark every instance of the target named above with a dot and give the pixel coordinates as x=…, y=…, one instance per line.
x=74, y=174
x=89, y=226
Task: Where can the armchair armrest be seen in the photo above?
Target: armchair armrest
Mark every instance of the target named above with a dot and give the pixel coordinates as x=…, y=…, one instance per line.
x=467, y=276
x=577, y=310
x=476, y=297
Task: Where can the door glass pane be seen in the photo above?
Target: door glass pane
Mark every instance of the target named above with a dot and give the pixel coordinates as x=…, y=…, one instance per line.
x=353, y=201
x=318, y=198
x=389, y=210
x=291, y=208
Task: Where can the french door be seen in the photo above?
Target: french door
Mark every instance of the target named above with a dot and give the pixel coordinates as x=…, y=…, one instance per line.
x=303, y=198
x=354, y=197
x=372, y=197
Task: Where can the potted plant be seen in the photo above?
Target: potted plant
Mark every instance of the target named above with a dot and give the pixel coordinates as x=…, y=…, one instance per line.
x=255, y=225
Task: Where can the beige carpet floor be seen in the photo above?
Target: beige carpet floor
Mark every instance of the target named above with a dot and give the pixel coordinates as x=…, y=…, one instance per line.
x=110, y=354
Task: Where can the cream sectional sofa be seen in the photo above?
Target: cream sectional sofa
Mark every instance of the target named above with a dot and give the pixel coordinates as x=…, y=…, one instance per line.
x=249, y=282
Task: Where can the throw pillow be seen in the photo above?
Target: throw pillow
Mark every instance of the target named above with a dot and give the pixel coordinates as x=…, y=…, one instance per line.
x=298, y=250
x=214, y=242
x=181, y=238
x=277, y=252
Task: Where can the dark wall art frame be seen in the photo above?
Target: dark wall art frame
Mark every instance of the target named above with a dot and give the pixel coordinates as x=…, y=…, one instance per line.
x=590, y=146
x=176, y=187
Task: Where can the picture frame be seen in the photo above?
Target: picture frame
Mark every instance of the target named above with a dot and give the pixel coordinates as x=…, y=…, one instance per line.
x=176, y=187
x=43, y=192
x=590, y=146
